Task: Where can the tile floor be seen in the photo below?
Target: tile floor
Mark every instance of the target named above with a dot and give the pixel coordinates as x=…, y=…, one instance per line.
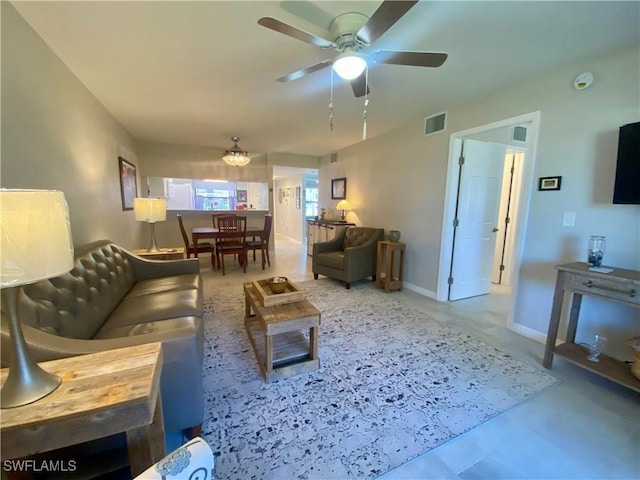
x=584, y=428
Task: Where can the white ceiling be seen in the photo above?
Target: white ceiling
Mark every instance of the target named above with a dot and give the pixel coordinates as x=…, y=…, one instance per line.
x=200, y=72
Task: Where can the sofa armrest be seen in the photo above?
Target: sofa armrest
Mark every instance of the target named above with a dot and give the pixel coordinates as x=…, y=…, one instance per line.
x=144, y=268
x=44, y=346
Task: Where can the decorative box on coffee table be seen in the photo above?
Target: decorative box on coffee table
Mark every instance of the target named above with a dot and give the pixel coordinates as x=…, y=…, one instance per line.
x=276, y=331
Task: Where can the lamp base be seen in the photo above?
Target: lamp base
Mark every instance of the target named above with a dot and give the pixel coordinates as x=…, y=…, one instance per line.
x=26, y=382
x=154, y=246
x=27, y=387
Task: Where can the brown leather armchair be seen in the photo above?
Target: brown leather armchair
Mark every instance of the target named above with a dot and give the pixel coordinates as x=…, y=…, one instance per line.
x=349, y=257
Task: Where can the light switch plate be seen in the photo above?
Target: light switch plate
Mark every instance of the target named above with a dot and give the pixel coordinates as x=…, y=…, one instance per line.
x=569, y=219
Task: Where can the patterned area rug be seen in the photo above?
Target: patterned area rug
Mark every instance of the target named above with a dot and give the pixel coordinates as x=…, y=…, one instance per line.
x=393, y=383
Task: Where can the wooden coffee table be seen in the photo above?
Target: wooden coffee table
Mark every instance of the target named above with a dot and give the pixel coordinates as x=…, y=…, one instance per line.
x=281, y=349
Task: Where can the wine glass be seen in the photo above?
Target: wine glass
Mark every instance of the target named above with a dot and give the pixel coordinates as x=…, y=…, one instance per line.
x=595, y=348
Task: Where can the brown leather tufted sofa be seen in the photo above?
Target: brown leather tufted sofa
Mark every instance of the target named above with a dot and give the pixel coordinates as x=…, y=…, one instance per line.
x=113, y=298
x=350, y=256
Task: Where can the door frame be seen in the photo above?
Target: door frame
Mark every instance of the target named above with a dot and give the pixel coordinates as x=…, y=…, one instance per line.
x=455, y=139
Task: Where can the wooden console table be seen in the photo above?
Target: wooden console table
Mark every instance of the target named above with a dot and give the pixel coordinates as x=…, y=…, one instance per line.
x=621, y=286
x=390, y=273
x=101, y=394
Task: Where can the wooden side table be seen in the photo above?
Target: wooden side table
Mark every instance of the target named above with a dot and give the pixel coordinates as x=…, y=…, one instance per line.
x=176, y=253
x=390, y=273
x=101, y=394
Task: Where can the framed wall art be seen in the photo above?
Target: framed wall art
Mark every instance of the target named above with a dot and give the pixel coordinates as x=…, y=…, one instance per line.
x=549, y=183
x=128, y=183
x=339, y=188
x=241, y=196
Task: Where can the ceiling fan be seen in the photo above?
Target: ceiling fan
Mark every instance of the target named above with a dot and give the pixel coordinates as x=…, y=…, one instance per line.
x=351, y=33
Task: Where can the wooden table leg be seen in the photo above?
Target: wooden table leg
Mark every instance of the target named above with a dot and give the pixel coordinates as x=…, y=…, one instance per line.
x=554, y=320
x=268, y=353
x=574, y=313
x=313, y=343
x=379, y=280
x=146, y=444
x=401, y=268
x=388, y=270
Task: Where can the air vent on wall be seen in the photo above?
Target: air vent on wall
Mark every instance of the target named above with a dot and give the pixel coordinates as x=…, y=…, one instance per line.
x=334, y=158
x=520, y=134
x=435, y=123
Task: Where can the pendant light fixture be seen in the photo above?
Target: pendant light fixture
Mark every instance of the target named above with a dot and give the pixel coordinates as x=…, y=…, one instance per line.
x=235, y=156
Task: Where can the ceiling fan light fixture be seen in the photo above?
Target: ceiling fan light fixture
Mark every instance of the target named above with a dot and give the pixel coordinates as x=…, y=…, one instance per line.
x=349, y=65
x=235, y=156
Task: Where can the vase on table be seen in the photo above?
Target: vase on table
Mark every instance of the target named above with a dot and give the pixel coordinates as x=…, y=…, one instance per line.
x=597, y=244
x=394, y=235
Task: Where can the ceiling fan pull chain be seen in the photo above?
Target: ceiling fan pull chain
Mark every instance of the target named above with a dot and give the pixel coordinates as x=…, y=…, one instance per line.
x=366, y=103
x=331, y=104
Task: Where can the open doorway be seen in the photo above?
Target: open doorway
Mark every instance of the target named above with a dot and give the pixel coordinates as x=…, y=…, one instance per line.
x=474, y=254
x=294, y=200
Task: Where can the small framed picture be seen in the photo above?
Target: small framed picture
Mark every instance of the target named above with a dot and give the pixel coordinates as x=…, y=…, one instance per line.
x=128, y=183
x=549, y=183
x=241, y=196
x=339, y=188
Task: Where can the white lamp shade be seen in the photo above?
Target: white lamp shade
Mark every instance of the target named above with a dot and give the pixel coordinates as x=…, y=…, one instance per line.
x=150, y=209
x=343, y=205
x=35, y=241
x=349, y=65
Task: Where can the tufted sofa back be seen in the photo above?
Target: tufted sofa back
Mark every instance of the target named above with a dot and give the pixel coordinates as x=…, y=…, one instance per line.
x=76, y=304
x=356, y=236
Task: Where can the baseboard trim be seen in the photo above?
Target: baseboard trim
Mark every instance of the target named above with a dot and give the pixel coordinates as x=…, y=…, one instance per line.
x=528, y=332
x=422, y=291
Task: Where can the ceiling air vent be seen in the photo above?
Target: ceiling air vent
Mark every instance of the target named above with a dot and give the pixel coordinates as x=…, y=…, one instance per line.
x=520, y=134
x=435, y=123
x=334, y=158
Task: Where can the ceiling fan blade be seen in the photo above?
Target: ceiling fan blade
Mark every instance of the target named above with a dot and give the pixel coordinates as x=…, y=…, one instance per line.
x=359, y=86
x=383, y=19
x=296, y=33
x=416, y=59
x=305, y=71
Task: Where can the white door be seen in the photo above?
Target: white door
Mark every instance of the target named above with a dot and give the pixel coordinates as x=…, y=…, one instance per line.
x=503, y=263
x=477, y=216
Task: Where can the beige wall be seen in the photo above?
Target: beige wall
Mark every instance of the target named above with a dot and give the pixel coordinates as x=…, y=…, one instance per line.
x=56, y=135
x=404, y=189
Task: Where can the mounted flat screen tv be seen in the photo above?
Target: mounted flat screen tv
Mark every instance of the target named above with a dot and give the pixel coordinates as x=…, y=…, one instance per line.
x=626, y=189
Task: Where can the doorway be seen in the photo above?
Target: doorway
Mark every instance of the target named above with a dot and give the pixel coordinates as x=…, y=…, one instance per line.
x=501, y=132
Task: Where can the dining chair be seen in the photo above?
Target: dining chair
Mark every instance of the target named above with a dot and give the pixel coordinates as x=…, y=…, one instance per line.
x=189, y=247
x=231, y=239
x=262, y=242
x=214, y=216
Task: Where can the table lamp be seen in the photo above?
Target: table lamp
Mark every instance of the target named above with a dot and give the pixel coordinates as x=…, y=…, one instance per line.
x=35, y=244
x=343, y=205
x=151, y=210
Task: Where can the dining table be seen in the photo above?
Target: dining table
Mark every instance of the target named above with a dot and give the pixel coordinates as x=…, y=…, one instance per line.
x=198, y=233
